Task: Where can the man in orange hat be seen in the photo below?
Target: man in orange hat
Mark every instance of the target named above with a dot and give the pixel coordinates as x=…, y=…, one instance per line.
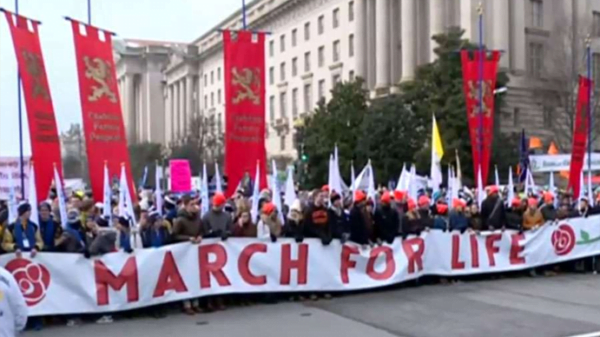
x=217, y=223
x=316, y=219
x=457, y=220
x=493, y=214
x=548, y=210
x=361, y=225
x=387, y=221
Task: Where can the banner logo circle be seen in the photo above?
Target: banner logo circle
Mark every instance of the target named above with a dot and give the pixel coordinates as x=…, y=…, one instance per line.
x=33, y=279
x=563, y=240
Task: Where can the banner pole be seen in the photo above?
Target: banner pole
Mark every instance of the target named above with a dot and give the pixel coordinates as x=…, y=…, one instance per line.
x=89, y=12
x=20, y=111
x=481, y=60
x=243, y=14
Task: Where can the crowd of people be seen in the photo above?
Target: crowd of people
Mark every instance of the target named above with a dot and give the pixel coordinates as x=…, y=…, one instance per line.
x=322, y=214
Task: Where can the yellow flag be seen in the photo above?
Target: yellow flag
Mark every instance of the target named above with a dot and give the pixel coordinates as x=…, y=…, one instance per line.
x=436, y=141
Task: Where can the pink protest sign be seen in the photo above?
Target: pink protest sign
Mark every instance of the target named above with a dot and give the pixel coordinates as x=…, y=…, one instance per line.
x=181, y=175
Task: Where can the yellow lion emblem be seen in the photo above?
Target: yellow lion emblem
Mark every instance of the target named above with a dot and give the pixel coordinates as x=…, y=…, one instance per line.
x=474, y=94
x=99, y=71
x=35, y=69
x=248, y=81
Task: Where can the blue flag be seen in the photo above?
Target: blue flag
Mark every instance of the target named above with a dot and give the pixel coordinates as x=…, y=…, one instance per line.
x=524, y=160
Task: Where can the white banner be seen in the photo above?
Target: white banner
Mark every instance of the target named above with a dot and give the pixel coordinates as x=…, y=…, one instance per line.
x=559, y=162
x=11, y=166
x=68, y=283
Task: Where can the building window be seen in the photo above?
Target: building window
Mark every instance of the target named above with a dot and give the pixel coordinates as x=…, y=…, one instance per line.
x=536, y=51
x=294, y=67
x=271, y=75
x=516, y=117
x=271, y=48
x=219, y=74
x=321, y=24
x=212, y=99
x=351, y=11
x=321, y=89
x=351, y=45
x=205, y=80
x=282, y=43
x=336, y=18
x=282, y=72
x=596, y=23
x=307, y=62
x=272, y=108
x=548, y=117
x=336, y=79
x=307, y=31
x=336, y=50
x=537, y=13
x=596, y=69
x=282, y=143
x=307, y=97
x=351, y=76
x=212, y=77
x=219, y=96
x=283, y=104
x=205, y=101
x=294, y=37
x=295, y=103
x=321, y=56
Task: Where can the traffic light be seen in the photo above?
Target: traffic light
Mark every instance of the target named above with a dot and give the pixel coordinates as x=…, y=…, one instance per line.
x=304, y=157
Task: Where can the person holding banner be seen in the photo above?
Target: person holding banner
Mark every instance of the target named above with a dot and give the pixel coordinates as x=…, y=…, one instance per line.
x=156, y=231
x=339, y=220
x=124, y=235
x=361, y=221
x=493, y=214
x=386, y=220
x=532, y=217
x=294, y=225
x=3, y=226
x=269, y=226
x=548, y=210
x=317, y=223
x=72, y=239
x=23, y=235
x=49, y=229
x=217, y=223
x=243, y=227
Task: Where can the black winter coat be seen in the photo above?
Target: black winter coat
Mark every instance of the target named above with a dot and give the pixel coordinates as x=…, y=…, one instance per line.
x=387, y=224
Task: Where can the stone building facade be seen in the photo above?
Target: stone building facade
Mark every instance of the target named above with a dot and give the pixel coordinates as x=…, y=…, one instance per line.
x=315, y=43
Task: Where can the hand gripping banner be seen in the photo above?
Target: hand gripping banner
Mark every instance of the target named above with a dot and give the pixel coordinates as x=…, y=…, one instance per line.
x=480, y=118
x=100, y=106
x=245, y=106
x=580, y=135
x=45, y=144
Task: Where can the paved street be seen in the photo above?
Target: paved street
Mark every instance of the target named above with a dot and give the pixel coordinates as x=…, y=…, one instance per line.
x=564, y=305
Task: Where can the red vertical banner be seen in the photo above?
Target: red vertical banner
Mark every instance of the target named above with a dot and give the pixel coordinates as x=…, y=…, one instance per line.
x=580, y=135
x=100, y=106
x=245, y=106
x=480, y=116
x=45, y=143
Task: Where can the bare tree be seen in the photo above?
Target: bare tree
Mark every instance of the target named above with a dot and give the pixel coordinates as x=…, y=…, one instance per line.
x=204, y=143
x=564, y=60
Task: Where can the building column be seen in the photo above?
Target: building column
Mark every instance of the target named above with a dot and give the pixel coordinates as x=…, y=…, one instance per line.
x=437, y=23
x=383, y=43
x=168, y=112
x=468, y=19
x=130, y=108
x=371, y=46
x=394, y=28
x=518, y=47
x=409, y=45
x=501, y=30
x=360, y=35
x=172, y=100
x=189, y=87
x=177, y=97
x=181, y=85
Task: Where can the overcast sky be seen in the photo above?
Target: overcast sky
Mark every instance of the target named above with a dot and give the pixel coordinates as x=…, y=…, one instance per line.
x=164, y=20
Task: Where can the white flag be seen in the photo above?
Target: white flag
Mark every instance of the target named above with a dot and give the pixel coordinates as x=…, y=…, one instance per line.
x=371, y=189
x=553, y=189
x=13, y=213
x=254, y=211
x=125, y=204
x=106, y=209
x=496, y=176
x=412, y=183
x=60, y=194
x=352, y=178
x=480, y=189
x=158, y=195
x=276, y=192
x=336, y=183
x=510, y=187
x=403, y=180
x=330, y=173
x=33, y=201
x=204, y=192
x=219, y=187
x=290, y=190
x=450, y=189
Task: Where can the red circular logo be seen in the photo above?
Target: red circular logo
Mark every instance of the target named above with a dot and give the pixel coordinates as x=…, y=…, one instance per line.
x=32, y=278
x=563, y=240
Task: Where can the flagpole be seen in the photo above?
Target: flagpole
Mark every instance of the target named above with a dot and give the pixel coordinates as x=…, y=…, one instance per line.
x=589, y=107
x=89, y=11
x=20, y=111
x=481, y=59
